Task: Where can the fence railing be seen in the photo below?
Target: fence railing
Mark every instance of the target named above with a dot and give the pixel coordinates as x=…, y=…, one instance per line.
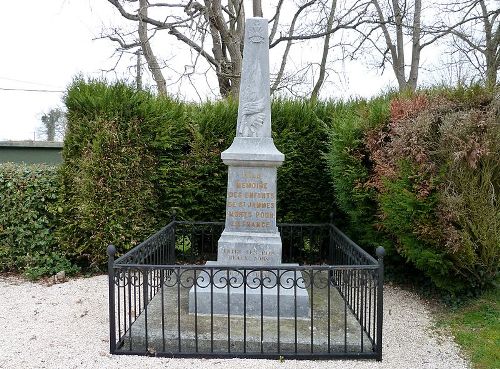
x=165, y=301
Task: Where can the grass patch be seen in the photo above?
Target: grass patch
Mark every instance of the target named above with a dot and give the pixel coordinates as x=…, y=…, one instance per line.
x=476, y=327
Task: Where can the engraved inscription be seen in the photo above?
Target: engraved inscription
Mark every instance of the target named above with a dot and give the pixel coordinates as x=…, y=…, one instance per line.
x=251, y=200
x=248, y=255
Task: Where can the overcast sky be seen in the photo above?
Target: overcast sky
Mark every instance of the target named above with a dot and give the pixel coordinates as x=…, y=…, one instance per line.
x=47, y=43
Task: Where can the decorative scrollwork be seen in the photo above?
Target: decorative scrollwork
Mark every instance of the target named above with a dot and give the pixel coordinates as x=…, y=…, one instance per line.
x=171, y=277
x=320, y=279
x=187, y=277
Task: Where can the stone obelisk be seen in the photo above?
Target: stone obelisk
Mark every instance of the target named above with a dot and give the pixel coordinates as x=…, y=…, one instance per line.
x=250, y=236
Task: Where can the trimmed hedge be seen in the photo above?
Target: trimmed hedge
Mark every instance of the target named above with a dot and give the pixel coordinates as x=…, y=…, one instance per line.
x=418, y=174
x=421, y=175
x=107, y=177
x=193, y=178
x=28, y=211
x=305, y=193
x=131, y=159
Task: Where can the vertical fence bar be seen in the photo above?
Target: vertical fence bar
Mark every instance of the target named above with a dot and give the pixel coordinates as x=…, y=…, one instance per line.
x=212, y=310
x=345, y=310
x=129, y=281
x=380, y=302
x=162, y=289
x=179, y=308
x=362, y=308
x=329, y=308
x=111, y=281
x=295, y=305
x=278, y=282
x=312, y=309
x=195, y=311
x=261, y=313
x=228, y=312
x=245, y=286
x=145, y=305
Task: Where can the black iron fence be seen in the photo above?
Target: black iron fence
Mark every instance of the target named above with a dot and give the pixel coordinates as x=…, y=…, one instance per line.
x=164, y=300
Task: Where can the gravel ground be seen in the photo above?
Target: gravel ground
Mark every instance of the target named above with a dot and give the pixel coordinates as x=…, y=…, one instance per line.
x=66, y=326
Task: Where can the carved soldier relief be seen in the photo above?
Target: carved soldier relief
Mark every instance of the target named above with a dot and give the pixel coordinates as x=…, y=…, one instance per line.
x=254, y=114
x=253, y=107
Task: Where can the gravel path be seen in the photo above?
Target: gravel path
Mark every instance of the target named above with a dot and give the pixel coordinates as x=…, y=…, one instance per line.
x=65, y=326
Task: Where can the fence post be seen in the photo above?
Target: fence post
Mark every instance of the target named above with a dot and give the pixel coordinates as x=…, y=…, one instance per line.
x=331, y=246
x=380, y=300
x=172, y=247
x=111, y=281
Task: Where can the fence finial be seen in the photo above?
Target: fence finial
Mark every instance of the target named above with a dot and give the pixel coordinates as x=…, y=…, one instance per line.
x=380, y=252
x=111, y=251
x=331, y=218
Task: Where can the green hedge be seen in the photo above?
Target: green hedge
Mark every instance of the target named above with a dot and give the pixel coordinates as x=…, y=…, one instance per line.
x=107, y=177
x=131, y=159
x=193, y=179
x=305, y=193
x=28, y=212
x=420, y=174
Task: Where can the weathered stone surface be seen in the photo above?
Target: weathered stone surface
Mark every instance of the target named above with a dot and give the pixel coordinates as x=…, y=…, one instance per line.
x=250, y=235
x=251, y=200
x=263, y=293
x=253, y=151
x=254, y=113
x=239, y=248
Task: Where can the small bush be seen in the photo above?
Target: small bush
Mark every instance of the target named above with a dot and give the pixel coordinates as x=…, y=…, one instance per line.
x=28, y=196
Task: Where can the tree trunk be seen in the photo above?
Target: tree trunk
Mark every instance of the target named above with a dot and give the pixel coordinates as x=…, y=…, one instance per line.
x=492, y=49
x=138, y=74
x=415, y=51
x=227, y=40
x=153, y=65
x=326, y=48
x=491, y=72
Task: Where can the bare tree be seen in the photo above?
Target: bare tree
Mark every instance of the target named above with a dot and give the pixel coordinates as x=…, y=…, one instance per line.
x=475, y=35
x=397, y=31
x=190, y=22
x=397, y=23
x=326, y=22
x=214, y=31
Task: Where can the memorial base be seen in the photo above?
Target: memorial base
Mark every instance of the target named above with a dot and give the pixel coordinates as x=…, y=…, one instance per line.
x=288, y=295
x=249, y=248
